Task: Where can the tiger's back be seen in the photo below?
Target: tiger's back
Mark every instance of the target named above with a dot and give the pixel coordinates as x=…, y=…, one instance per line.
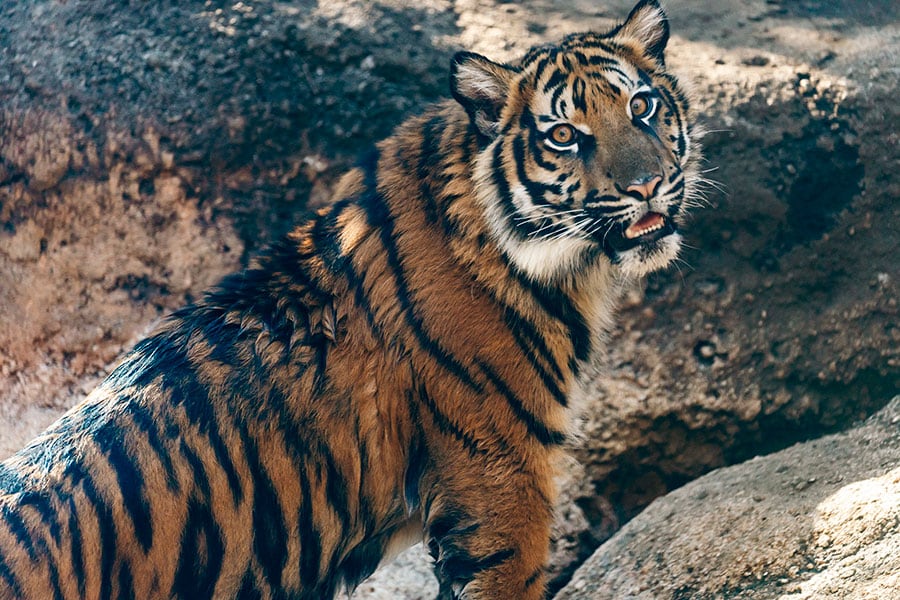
x=401, y=365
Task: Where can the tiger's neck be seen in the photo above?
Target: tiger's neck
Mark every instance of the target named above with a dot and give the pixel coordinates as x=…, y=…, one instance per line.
x=572, y=313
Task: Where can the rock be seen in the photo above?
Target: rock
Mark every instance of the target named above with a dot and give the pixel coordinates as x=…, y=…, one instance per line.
x=819, y=520
x=778, y=315
x=409, y=576
x=147, y=150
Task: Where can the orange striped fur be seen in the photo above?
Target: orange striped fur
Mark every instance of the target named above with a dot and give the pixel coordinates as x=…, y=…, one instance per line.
x=400, y=367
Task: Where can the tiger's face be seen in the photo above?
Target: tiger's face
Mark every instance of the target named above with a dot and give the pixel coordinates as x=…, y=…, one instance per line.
x=587, y=150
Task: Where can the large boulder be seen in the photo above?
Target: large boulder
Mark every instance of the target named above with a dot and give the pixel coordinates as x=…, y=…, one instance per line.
x=819, y=520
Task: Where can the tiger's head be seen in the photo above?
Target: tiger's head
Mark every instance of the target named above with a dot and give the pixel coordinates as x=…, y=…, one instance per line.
x=586, y=149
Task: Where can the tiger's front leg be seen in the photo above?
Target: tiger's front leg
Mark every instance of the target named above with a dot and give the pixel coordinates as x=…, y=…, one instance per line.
x=487, y=527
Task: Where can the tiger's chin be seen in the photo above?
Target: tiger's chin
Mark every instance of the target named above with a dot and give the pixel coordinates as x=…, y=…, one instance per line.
x=649, y=244
x=648, y=256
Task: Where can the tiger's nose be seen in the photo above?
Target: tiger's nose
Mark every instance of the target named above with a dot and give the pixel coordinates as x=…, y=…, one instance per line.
x=645, y=187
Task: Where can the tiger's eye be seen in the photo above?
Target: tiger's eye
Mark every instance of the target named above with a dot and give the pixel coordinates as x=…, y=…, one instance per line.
x=640, y=106
x=563, y=135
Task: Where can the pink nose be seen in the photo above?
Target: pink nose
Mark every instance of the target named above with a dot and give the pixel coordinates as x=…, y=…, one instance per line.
x=645, y=186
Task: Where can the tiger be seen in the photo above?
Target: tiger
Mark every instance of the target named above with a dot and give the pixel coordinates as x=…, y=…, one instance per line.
x=403, y=366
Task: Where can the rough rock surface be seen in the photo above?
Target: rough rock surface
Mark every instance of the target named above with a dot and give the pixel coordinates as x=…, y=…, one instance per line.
x=818, y=520
x=147, y=149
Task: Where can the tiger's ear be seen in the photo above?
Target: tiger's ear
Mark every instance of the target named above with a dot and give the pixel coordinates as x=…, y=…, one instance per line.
x=482, y=87
x=648, y=26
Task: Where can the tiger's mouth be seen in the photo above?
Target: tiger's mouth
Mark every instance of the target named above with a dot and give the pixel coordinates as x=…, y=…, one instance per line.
x=648, y=229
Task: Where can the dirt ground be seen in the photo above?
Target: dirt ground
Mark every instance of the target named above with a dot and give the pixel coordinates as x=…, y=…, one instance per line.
x=147, y=151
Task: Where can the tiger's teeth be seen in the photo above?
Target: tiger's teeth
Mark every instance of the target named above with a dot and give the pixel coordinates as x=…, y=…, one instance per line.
x=633, y=234
x=647, y=224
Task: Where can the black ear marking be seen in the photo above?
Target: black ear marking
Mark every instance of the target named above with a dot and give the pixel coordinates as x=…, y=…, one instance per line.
x=648, y=25
x=481, y=86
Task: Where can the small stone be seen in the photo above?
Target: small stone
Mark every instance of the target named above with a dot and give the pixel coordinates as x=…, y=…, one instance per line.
x=756, y=61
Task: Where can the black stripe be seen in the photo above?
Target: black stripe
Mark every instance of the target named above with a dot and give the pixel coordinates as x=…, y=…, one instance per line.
x=596, y=59
x=533, y=578
x=76, y=549
x=49, y=517
x=451, y=522
x=544, y=63
x=198, y=469
x=376, y=208
x=130, y=480
x=355, y=282
x=523, y=228
x=623, y=76
x=286, y=258
x=362, y=561
x=528, y=123
x=558, y=78
x=366, y=514
x=545, y=435
x=17, y=527
x=321, y=380
x=616, y=90
x=416, y=464
x=458, y=565
x=34, y=546
x=536, y=190
x=106, y=525
x=581, y=57
x=673, y=107
x=249, y=589
x=523, y=329
x=324, y=235
x=347, y=268
x=179, y=379
x=430, y=156
x=579, y=88
x=149, y=427
x=555, y=105
x=126, y=582
x=306, y=443
x=560, y=307
x=50, y=524
x=10, y=578
x=310, y=539
x=446, y=426
x=492, y=560
x=201, y=555
x=528, y=337
x=607, y=45
x=269, y=530
x=573, y=188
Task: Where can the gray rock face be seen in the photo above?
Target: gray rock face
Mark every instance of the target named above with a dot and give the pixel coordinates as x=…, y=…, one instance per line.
x=147, y=149
x=782, y=323
x=818, y=520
